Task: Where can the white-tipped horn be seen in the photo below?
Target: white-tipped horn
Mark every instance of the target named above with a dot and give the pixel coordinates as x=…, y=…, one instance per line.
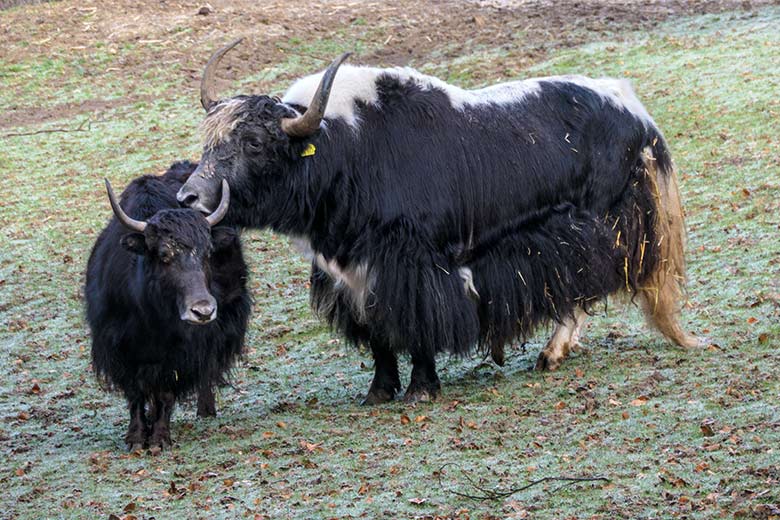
x=221, y=210
x=309, y=122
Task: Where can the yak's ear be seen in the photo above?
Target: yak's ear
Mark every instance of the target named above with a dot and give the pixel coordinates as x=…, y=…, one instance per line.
x=223, y=237
x=134, y=242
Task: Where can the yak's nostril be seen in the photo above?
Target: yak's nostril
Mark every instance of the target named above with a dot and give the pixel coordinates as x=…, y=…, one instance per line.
x=203, y=310
x=187, y=199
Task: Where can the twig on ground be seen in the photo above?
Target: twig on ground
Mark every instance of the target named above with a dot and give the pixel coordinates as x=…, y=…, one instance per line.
x=497, y=494
x=81, y=128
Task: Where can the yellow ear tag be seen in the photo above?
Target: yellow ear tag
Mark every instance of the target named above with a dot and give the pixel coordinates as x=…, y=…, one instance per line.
x=309, y=150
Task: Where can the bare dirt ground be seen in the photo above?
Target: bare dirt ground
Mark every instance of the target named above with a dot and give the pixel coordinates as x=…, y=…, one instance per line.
x=405, y=33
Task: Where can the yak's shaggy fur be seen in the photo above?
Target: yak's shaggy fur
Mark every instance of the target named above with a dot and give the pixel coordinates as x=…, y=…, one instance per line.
x=473, y=217
x=140, y=346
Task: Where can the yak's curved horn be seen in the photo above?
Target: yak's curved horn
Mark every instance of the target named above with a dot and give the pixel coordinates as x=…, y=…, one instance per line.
x=128, y=222
x=208, y=90
x=309, y=122
x=221, y=210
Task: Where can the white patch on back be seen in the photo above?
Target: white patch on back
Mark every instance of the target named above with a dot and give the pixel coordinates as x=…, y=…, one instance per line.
x=355, y=83
x=616, y=91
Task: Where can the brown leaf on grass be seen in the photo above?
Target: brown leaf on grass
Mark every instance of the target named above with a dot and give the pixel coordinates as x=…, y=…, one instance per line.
x=418, y=501
x=763, y=337
x=420, y=418
x=751, y=320
x=405, y=419
x=129, y=508
x=560, y=405
x=706, y=428
x=311, y=446
x=639, y=401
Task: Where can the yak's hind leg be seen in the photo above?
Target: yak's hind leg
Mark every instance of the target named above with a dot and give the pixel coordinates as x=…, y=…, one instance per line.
x=207, y=407
x=137, y=432
x=663, y=289
x=161, y=411
x=564, y=339
x=386, y=382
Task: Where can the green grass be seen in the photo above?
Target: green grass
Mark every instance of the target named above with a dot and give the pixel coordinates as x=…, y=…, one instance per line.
x=291, y=440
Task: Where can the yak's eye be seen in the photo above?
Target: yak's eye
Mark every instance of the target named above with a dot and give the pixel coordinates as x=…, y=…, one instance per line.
x=254, y=144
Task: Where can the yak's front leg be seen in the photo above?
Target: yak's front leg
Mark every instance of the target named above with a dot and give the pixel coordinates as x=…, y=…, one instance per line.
x=424, y=385
x=162, y=409
x=137, y=432
x=206, y=405
x=386, y=382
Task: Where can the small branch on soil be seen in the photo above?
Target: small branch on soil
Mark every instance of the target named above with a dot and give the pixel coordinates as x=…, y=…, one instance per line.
x=498, y=494
x=81, y=128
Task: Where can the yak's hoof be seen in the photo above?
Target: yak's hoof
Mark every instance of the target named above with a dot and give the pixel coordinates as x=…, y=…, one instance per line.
x=377, y=396
x=207, y=412
x=156, y=445
x=135, y=447
x=420, y=395
x=690, y=341
x=498, y=356
x=546, y=362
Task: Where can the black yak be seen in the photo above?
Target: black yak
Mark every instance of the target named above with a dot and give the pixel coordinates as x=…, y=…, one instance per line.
x=443, y=219
x=166, y=302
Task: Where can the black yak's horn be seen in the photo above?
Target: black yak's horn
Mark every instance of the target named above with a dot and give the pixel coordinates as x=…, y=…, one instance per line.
x=221, y=210
x=308, y=123
x=208, y=90
x=129, y=223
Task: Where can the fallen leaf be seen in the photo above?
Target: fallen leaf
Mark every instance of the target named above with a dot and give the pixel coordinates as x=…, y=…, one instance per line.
x=418, y=501
x=310, y=446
